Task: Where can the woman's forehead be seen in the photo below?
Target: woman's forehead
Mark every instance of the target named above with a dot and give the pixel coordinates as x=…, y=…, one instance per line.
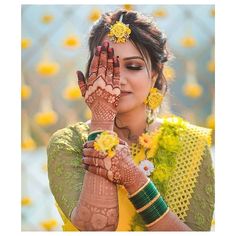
x=123, y=50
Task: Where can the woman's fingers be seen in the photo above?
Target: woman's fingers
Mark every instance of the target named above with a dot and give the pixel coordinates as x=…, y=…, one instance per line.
x=81, y=82
x=93, y=70
x=109, y=72
x=96, y=170
x=102, y=67
x=93, y=153
x=91, y=161
x=116, y=69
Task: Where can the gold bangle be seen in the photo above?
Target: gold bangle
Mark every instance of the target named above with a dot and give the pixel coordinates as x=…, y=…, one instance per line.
x=140, y=189
x=148, y=204
x=155, y=221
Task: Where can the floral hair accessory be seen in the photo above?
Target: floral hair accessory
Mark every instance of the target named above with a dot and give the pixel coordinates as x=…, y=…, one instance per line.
x=106, y=143
x=119, y=32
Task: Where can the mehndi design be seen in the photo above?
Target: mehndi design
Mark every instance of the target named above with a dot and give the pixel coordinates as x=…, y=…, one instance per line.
x=102, y=88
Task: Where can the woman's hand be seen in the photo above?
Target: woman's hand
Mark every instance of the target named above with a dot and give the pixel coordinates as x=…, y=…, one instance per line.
x=120, y=169
x=101, y=89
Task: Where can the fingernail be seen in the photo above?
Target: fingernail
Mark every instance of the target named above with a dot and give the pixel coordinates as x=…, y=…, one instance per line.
x=116, y=61
x=79, y=74
x=106, y=44
x=98, y=50
x=110, y=53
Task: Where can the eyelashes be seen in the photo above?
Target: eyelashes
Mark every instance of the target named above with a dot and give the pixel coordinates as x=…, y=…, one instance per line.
x=134, y=67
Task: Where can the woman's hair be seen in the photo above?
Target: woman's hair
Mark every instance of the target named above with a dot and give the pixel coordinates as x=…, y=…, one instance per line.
x=145, y=36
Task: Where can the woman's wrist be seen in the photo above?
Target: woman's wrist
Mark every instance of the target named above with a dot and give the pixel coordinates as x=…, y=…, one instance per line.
x=101, y=125
x=139, y=180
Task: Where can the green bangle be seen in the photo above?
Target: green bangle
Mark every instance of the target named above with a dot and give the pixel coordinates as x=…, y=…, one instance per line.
x=92, y=136
x=155, y=211
x=143, y=197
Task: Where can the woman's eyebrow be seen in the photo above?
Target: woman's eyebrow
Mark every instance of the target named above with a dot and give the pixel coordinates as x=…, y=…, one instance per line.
x=135, y=57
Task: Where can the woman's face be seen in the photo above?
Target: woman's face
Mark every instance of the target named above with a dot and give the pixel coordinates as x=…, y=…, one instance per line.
x=134, y=79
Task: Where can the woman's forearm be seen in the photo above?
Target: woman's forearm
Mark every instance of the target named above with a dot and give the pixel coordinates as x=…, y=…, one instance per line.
x=169, y=222
x=97, y=208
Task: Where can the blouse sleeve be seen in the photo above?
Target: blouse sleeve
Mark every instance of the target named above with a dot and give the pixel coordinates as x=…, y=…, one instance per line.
x=65, y=171
x=200, y=213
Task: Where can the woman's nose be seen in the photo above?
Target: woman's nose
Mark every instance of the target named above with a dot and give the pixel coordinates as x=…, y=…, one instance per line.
x=123, y=79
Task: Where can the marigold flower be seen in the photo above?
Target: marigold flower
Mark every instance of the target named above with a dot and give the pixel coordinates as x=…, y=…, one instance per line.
x=106, y=143
x=154, y=99
x=145, y=140
x=128, y=7
x=25, y=43
x=210, y=122
x=26, y=201
x=160, y=13
x=72, y=93
x=161, y=173
x=119, y=32
x=192, y=90
x=169, y=73
x=28, y=144
x=211, y=66
x=49, y=224
x=47, y=18
x=25, y=92
x=47, y=68
x=72, y=42
x=169, y=142
x=46, y=118
x=188, y=42
x=94, y=15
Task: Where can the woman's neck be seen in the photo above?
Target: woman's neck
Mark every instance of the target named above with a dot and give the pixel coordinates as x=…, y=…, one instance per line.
x=134, y=120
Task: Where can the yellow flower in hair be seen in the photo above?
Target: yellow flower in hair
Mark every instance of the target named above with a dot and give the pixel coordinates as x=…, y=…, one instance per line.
x=119, y=32
x=154, y=99
x=106, y=143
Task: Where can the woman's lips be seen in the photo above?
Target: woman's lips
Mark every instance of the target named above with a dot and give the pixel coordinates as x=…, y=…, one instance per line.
x=122, y=94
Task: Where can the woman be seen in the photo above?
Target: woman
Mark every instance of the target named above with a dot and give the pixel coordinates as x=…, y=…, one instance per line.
x=126, y=169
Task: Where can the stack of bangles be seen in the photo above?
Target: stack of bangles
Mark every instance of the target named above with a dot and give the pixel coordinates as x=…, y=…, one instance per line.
x=149, y=203
x=147, y=200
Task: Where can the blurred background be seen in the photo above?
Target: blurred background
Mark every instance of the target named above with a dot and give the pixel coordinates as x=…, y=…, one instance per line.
x=54, y=45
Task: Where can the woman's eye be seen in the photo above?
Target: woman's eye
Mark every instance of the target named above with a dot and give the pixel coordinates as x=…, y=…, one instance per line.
x=134, y=67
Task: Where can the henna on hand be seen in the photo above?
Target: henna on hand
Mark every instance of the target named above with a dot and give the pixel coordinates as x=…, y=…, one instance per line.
x=102, y=89
x=119, y=169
